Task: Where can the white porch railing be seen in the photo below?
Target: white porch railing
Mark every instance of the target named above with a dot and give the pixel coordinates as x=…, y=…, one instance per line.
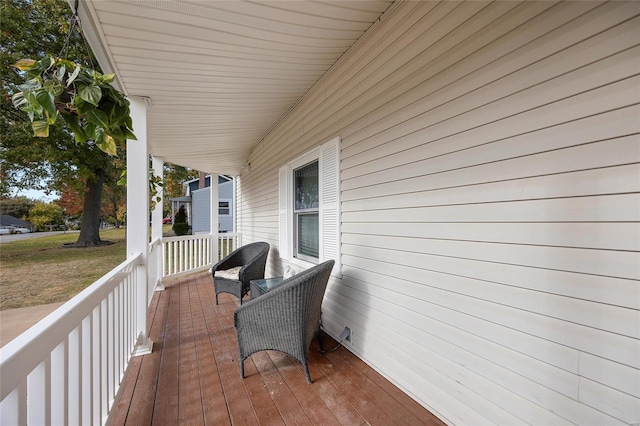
x=156, y=265
x=191, y=253
x=67, y=368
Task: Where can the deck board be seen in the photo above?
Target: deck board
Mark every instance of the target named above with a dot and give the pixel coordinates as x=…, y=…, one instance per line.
x=192, y=376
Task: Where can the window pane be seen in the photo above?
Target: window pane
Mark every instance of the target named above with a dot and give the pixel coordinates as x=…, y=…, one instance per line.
x=308, y=238
x=306, y=186
x=223, y=208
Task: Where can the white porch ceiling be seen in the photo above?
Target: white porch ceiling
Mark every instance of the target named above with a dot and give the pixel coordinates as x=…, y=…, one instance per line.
x=220, y=74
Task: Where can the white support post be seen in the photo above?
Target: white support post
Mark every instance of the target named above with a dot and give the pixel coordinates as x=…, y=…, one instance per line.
x=138, y=216
x=157, y=215
x=214, y=226
x=157, y=212
x=234, y=204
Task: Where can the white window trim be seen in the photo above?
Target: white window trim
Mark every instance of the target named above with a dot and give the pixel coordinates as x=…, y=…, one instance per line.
x=328, y=156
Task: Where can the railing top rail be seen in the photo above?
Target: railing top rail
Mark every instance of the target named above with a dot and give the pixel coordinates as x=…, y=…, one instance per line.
x=186, y=237
x=199, y=236
x=27, y=350
x=155, y=243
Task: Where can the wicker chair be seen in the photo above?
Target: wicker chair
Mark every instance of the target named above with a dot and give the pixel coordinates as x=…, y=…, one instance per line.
x=286, y=319
x=252, y=259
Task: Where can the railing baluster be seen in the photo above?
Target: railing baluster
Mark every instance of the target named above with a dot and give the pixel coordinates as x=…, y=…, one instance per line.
x=38, y=410
x=191, y=253
x=104, y=335
x=73, y=377
x=85, y=374
x=59, y=383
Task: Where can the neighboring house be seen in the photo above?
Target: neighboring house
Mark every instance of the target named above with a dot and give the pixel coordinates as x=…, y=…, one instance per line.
x=7, y=220
x=197, y=204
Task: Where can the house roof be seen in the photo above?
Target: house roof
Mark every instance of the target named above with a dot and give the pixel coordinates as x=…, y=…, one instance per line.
x=6, y=220
x=220, y=74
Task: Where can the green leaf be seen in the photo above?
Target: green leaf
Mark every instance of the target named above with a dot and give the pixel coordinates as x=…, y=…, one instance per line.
x=108, y=78
x=59, y=74
x=45, y=63
x=105, y=142
x=98, y=118
x=73, y=76
x=40, y=128
x=128, y=134
x=18, y=99
x=90, y=130
x=99, y=135
x=54, y=87
x=90, y=93
x=123, y=178
x=31, y=85
x=83, y=107
x=74, y=124
x=24, y=64
x=46, y=100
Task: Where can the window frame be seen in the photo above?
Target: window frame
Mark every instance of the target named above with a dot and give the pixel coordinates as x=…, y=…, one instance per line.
x=309, y=158
x=327, y=156
x=224, y=200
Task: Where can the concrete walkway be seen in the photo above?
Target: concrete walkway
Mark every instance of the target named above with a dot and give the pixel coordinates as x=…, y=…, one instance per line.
x=15, y=321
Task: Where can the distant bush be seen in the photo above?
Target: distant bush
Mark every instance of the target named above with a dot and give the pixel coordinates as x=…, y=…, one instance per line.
x=180, y=226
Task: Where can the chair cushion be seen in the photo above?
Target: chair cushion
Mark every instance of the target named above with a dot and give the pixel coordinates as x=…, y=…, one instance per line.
x=229, y=274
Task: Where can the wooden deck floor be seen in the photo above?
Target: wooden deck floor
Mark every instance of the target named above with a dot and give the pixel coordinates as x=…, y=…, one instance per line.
x=192, y=377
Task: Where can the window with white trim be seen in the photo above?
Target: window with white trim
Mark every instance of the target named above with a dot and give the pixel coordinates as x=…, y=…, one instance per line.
x=224, y=207
x=309, y=207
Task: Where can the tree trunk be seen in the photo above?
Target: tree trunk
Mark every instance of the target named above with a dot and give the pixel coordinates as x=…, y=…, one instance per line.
x=90, y=227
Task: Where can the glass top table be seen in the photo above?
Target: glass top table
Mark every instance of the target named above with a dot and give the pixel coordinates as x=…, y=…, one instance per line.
x=260, y=287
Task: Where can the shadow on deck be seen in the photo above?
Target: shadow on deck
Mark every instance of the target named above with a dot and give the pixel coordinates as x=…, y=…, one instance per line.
x=192, y=375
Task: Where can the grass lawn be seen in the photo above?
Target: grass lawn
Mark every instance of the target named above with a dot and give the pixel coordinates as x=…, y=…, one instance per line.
x=39, y=271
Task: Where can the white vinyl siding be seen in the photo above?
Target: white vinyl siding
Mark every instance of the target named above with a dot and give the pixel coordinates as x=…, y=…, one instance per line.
x=489, y=205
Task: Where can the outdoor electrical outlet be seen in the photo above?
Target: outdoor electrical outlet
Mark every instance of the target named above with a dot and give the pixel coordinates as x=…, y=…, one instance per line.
x=346, y=334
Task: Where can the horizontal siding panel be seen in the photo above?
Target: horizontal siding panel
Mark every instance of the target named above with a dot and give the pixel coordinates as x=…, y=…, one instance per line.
x=449, y=376
x=446, y=63
x=607, y=208
x=340, y=109
x=433, y=284
x=602, y=181
x=611, y=374
x=597, y=262
x=619, y=405
x=443, y=318
x=529, y=401
x=596, y=315
x=444, y=154
x=609, y=153
x=438, y=334
x=605, y=290
x=480, y=102
x=603, y=236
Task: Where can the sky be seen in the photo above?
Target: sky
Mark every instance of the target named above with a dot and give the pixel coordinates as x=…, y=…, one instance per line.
x=38, y=195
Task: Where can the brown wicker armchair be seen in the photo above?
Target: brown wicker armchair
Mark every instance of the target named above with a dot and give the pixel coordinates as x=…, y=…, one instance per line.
x=249, y=260
x=286, y=319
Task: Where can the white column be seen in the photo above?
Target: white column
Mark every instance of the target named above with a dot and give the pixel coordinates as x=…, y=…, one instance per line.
x=213, y=225
x=157, y=212
x=138, y=215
